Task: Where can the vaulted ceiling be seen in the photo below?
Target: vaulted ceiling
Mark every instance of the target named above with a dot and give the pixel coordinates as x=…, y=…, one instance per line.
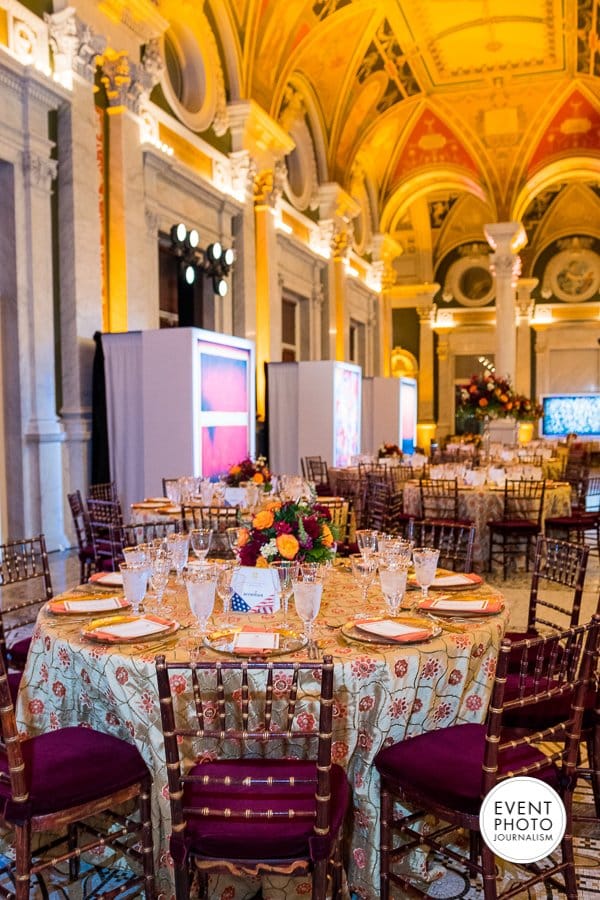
x=427, y=109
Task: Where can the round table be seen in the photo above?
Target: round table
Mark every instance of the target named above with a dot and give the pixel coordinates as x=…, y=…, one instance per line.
x=482, y=504
x=383, y=694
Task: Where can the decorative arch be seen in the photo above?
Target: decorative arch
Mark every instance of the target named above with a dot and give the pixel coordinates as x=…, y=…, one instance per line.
x=403, y=364
x=438, y=178
x=560, y=171
x=230, y=47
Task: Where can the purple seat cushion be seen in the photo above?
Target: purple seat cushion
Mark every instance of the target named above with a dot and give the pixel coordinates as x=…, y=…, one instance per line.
x=446, y=766
x=14, y=680
x=522, y=525
x=275, y=839
x=537, y=716
x=17, y=653
x=70, y=766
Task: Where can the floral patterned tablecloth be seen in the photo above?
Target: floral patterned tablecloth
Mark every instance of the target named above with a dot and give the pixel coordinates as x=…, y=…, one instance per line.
x=482, y=504
x=382, y=695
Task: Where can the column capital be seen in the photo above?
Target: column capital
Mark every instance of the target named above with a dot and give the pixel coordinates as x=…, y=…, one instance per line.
x=268, y=185
x=335, y=203
x=426, y=312
x=39, y=171
x=254, y=130
x=524, y=302
x=75, y=47
x=505, y=236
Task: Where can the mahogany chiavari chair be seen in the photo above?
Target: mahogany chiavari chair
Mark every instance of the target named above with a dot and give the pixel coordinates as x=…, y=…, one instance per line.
x=25, y=585
x=555, y=674
x=268, y=798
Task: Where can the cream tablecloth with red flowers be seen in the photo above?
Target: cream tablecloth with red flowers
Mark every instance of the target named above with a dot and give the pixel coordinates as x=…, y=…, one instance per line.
x=382, y=694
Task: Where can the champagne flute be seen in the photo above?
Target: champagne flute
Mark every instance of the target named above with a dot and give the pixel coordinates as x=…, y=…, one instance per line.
x=364, y=570
x=425, y=560
x=225, y=588
x=201, y=584
x=234, y=536
x=287, y=572
x=160, y=566
x=179, y=545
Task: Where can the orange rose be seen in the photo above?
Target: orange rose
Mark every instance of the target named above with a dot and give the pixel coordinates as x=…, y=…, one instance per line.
x=261, y=563
x=235, y=470
x=483, y=401
x=287, y=545
x=503, y=398
x=326, y=535
x=274, y=505
x=263, y=519
x=244, y=537
x=257, y=478
x=473, y=389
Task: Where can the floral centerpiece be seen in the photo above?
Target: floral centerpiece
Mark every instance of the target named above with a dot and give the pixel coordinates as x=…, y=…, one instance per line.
x=493, y=397
x=296, y=531
x=249, y=470
x=387, y=450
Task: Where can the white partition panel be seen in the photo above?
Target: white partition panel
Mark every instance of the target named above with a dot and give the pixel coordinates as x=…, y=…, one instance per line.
x=367, y=443
x=314, y=410
x=193, y=402
x=408, y=414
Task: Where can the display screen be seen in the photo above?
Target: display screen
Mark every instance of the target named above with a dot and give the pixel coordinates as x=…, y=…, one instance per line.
x=571, y=414
x=225, y=403
x=347, y=421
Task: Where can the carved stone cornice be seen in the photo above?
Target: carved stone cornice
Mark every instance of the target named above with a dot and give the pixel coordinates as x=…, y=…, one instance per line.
x=39, y=171
x=74, y=45
x=141, y=17
x=252, y=129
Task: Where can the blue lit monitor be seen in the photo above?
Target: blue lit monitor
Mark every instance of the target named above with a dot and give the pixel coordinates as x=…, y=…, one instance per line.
x=571, y=413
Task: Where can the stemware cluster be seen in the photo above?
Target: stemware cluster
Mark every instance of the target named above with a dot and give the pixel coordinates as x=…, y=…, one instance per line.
x=391, y=556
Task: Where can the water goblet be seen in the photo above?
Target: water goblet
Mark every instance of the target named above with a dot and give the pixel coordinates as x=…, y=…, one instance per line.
x=364, y=570
x=308, y=590
x=135, y=583
x=425, y=560
x=201, y=585
x=366, y=539
x=286, y=571
x=200, y=540
x=392, y=578
x=234, y=537
x=160, y=566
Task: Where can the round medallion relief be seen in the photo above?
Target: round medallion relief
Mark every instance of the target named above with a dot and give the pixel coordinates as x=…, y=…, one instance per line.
x=470, y=281
x=574, y=275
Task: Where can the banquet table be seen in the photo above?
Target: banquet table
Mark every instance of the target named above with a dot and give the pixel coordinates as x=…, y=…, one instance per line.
x=482, y=504
x=383, y=693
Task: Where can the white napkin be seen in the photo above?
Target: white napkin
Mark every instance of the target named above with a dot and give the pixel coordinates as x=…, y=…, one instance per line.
x=389, y=629
x=256, y=640
x=451, y=580
x=111, y=579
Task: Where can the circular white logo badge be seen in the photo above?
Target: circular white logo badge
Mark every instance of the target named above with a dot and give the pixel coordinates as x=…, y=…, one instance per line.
x=522, y=820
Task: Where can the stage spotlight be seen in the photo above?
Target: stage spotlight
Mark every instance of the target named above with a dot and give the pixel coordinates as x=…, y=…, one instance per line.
x=229, y=257
x=193, y=238
x=214, y=251
x=178, y=233
x=220, y=286
x=190, y=274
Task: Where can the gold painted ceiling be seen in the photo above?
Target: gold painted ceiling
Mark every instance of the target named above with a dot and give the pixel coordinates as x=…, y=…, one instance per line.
x=429, y=101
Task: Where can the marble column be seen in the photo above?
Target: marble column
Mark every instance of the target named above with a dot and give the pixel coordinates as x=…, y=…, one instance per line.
x=524, y=305
x=80, y=227
x=243, y=310
x=385, y=250
x=426, y=312
x=445, y=417
x=505, y=238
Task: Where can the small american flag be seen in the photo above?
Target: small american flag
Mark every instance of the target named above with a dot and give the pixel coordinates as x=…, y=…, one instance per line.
x=238, y=604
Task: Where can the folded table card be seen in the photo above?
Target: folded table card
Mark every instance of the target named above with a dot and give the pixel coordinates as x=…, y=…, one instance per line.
x=247, y=641
x=459, y=579
x=477, y=607
x=129, y=628
x=254, y=590
x=99, y=604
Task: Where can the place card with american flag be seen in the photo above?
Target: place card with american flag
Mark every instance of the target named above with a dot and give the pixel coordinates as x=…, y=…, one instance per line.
x=254, y=590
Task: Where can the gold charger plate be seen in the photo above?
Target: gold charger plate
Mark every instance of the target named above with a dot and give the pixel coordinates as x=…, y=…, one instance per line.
x=352, y=632
x=460, y=608
x=223, y=641
x=100, y=604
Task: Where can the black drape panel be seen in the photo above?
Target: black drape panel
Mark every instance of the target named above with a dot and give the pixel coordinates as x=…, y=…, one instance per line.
x=100, y=460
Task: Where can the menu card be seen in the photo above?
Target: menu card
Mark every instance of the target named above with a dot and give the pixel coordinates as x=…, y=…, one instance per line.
x=246, y=641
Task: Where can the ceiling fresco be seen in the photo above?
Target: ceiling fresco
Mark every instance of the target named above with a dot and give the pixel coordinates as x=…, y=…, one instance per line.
x=485, y=97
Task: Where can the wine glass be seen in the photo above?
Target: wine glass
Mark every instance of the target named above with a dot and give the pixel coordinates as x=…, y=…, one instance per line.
x=225, y=588
x=364, y=570
x=201, y=585
x=366, y=539
x=286, y=571
x=234, y=536
x=425, y=560
x=307, y=586
x=135, y=583
x=392, y=578
x=200, y=539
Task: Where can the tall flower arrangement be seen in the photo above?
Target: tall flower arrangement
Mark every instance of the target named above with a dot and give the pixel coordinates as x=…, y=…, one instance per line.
x=489, y=395
x=292, y=530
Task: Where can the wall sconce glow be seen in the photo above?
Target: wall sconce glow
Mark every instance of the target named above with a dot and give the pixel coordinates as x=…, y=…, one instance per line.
x=220, y=287
x=229, y=256
x=444, y=321
x=542, y=315
x=193, y=238
x=178, y=233
x=214, y=251
x=190, y=274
